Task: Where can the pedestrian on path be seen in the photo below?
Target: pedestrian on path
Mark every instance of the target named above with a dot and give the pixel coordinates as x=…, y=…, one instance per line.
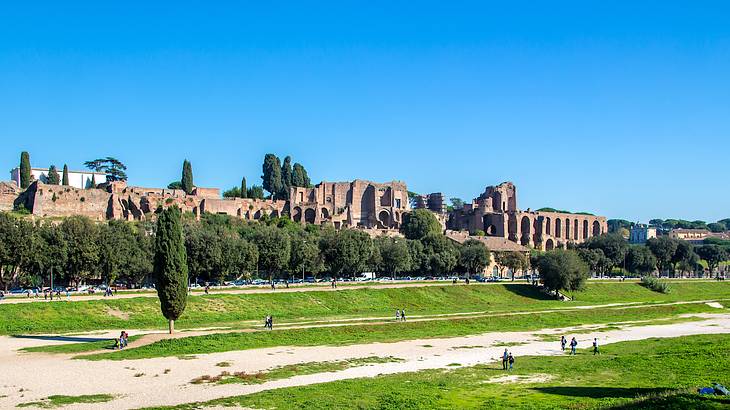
x=511, y=361
x=595, y=346
x=397, y=315
x=505, y=359
x=563, y=342
x=403, y=315
x=573, y=344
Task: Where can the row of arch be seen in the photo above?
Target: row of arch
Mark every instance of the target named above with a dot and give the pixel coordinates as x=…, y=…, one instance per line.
x=534, y=230
x=310, y=215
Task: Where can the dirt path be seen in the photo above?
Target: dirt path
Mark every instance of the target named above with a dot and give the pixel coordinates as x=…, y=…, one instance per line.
x=160, y=381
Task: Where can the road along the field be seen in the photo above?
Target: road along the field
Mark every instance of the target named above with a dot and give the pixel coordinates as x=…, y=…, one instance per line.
x=26, y=377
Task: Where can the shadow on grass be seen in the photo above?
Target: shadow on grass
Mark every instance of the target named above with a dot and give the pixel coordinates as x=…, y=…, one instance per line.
x=64, y=338
x=527, y=291
x=602, y=392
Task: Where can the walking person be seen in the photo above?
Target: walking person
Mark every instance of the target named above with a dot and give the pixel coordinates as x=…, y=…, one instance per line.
x=573, y=344
x=595, y=347
x=563, y=342
x=511, y=360
x=397, y=315
x=403, y=315
x=271, y=323
x=505, y=359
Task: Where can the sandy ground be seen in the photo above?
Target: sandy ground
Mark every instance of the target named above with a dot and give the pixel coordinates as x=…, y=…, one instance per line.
x=26, y=377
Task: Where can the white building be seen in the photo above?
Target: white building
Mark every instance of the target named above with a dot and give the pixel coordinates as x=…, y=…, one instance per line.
x=641, y=233
x=76, y=179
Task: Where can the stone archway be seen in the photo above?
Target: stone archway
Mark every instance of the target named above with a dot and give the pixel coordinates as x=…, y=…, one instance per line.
x=525, y=231
x=512, y=233
x=575, y=229
x=596, y=228
x=296, y=214
x=384, y=219
x=310, y=215
x=324, y=213
x=567, y=228
x=549, y=245
x=585, y=229
x=491, y=230
x=548, y=227
x=257, y=215
x=558, y=227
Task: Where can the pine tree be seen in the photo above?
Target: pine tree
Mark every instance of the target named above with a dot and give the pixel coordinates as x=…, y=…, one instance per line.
x=244, y=191
x=170, y=265
x=53, y=177
x=24, y=169
x=187, y=177
x=286, y=178
x=64, y=179
x=272, y=174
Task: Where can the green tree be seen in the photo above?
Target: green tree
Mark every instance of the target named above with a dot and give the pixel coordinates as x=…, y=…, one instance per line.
x=286, y=178
x=255, y=192
x=81, y=235
x=175, y=185
x=514, y=261
x=613, y=245
x=562, y=270
x=274, y=246
x=272, y=175
x=717, y=227
x=170, y=265
x=305, y=255
x=16, y=247
x=683, y=254
x=420, y=223
x=440, y=254
x=53, y=177
x=394, y=255
x=299, y=176
x=187, y=177
x=474, y=256
x=93, y=181
x=244, y=190
x=713, y=255
x=595, y=259
x=64, y=179
x=234, y=192
x=24, y=169
x=640, y=260
x=114, y=169
x=456, y=203
x=663, y=249
x=346, y=252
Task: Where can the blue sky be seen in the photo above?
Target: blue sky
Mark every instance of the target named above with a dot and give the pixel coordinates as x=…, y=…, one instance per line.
x=618, y=108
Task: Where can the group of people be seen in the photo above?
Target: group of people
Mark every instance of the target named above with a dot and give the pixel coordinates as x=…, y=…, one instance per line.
x=400, y=315
x=508, y=360
x=123, y=340
x=574, y=345
x=269, y=322
x=108, y=292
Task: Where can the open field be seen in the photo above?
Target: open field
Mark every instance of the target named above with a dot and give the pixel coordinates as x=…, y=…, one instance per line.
x=653, y=373
x=233, y=309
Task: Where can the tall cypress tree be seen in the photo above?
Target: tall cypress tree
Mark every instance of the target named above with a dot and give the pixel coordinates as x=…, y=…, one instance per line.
x=244, y=191
x=24, y=169
x=53, y=177
x=170, y=265
x=187, y=177
x=64, y=179
x=272, y=174
x=299, y=176
x=286, y=178
x=93, y=181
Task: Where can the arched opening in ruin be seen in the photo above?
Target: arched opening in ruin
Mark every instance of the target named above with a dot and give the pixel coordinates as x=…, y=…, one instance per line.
x=548, y=223
x=491, y=230
x=325, y=214
x=310, y=215
x=549, y=245
x=512, y=228
x=585, y=229
x=274, y=214
x=384, y=219
x=596, y=228
x=575, y=229
x=558, y=227
x=257, y=215
x=525, y=229
x=297, y=214
x=567, y=228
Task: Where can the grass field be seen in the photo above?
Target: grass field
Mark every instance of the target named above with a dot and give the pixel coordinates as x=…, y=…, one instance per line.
x=648, y=374
x=231, y=310
x=392, y=332
x=60, y=401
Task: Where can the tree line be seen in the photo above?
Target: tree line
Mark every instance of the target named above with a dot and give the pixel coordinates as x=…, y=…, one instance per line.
x=619, y=225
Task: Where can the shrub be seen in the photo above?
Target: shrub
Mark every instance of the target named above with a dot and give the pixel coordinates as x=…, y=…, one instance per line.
x=655, y=284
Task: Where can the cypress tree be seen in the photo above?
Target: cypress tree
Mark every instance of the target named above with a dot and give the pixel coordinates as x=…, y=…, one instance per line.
x=244, y=192
x=286, y=178
x=24, y=169
x=187, y=177
x=64, y=179
x=272, y=174
x=170, y=265
x=53, y=177
x=299, y=176
x=93, y=181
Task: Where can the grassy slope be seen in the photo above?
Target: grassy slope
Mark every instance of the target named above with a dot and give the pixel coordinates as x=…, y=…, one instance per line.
x=390, y=332
x=648, y=369
x=214, y=310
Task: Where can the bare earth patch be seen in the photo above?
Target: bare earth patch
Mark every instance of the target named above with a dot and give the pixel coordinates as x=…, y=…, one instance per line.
x=520, y=378
x=117, y=313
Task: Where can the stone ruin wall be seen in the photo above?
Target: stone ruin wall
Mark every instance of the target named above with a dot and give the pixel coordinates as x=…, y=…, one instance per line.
x=9, y=193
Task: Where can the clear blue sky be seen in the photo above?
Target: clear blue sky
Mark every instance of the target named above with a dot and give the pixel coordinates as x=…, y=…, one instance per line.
x=620, y=108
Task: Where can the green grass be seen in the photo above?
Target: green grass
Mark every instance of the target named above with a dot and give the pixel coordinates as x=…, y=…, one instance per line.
x=232, y=310
x=285, y=372
x=392, y=332
x=647, y=374
x=59, y=401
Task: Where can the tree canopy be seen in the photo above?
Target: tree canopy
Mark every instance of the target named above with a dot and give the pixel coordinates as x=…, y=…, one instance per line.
x=112, y=167
x=170, y=265
x=419, y=223
x=562, y=270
